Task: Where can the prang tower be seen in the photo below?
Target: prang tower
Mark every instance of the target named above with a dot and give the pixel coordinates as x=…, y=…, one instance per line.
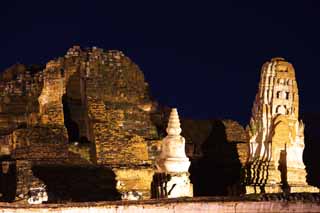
x=275, y=161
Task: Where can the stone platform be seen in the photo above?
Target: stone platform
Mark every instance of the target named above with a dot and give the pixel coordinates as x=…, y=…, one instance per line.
x=203, y=204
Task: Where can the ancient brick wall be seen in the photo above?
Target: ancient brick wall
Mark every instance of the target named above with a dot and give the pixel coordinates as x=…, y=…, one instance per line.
x=50, y=100
x=39, y=144
x=99, y=96
x=20, y=87
x=25, y=179
x=116, y=94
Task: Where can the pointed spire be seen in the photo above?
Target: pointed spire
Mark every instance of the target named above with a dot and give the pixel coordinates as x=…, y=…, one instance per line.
x=173, y=156
x=173, y=128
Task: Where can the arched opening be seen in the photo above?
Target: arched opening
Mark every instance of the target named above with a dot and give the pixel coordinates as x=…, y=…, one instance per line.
x=74, y=109
x=8, y=176
x=287, y=95
x=77, y=183
x=280, y=81
x=72, y=126
x=281, y=110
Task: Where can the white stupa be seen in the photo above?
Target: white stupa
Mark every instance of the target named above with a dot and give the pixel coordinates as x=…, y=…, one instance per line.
x=173, y=160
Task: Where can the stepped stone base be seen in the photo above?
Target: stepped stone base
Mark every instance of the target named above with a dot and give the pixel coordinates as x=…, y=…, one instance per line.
x=277, y=188
x=303, y=188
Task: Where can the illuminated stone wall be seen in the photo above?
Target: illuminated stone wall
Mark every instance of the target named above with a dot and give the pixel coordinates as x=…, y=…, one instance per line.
x=117, y=99
x=91, y=94
x=20, y=87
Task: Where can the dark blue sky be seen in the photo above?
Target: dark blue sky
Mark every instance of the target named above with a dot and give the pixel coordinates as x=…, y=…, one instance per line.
x=203, y=58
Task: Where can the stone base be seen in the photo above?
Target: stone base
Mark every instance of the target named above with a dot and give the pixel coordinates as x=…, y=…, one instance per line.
x=277, y=188
x=303, y=188
x=264, y=189
x=134, y=183
x=179, y=185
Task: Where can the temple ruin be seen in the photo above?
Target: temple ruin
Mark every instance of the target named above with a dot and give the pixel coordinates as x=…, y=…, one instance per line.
x=275, y=162
x=85, y=128
x=90, y=108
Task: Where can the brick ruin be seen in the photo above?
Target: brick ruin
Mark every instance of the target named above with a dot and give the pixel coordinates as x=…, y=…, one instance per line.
x=91, y=108
x=86, y=127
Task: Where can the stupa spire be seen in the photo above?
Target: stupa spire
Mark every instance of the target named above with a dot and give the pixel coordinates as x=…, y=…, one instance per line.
x=174, y=128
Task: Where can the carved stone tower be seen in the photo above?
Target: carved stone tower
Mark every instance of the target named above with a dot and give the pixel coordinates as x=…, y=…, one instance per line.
x=275, y=161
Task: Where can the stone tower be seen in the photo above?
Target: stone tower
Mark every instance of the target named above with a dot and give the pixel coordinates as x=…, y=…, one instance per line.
x=275, y=161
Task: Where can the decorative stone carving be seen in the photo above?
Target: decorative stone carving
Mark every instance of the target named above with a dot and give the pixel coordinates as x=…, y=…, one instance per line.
x=275, y=161
x=173, y=160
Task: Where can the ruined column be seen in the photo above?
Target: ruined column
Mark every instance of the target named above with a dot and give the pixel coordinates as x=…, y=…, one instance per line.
x=173, y=161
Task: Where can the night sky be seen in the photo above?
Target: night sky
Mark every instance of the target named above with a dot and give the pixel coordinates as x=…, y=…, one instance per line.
x=202, y=58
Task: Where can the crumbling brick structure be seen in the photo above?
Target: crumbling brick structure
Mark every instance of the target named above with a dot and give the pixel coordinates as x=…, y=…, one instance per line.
x=85, y=126
x=94, y=98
